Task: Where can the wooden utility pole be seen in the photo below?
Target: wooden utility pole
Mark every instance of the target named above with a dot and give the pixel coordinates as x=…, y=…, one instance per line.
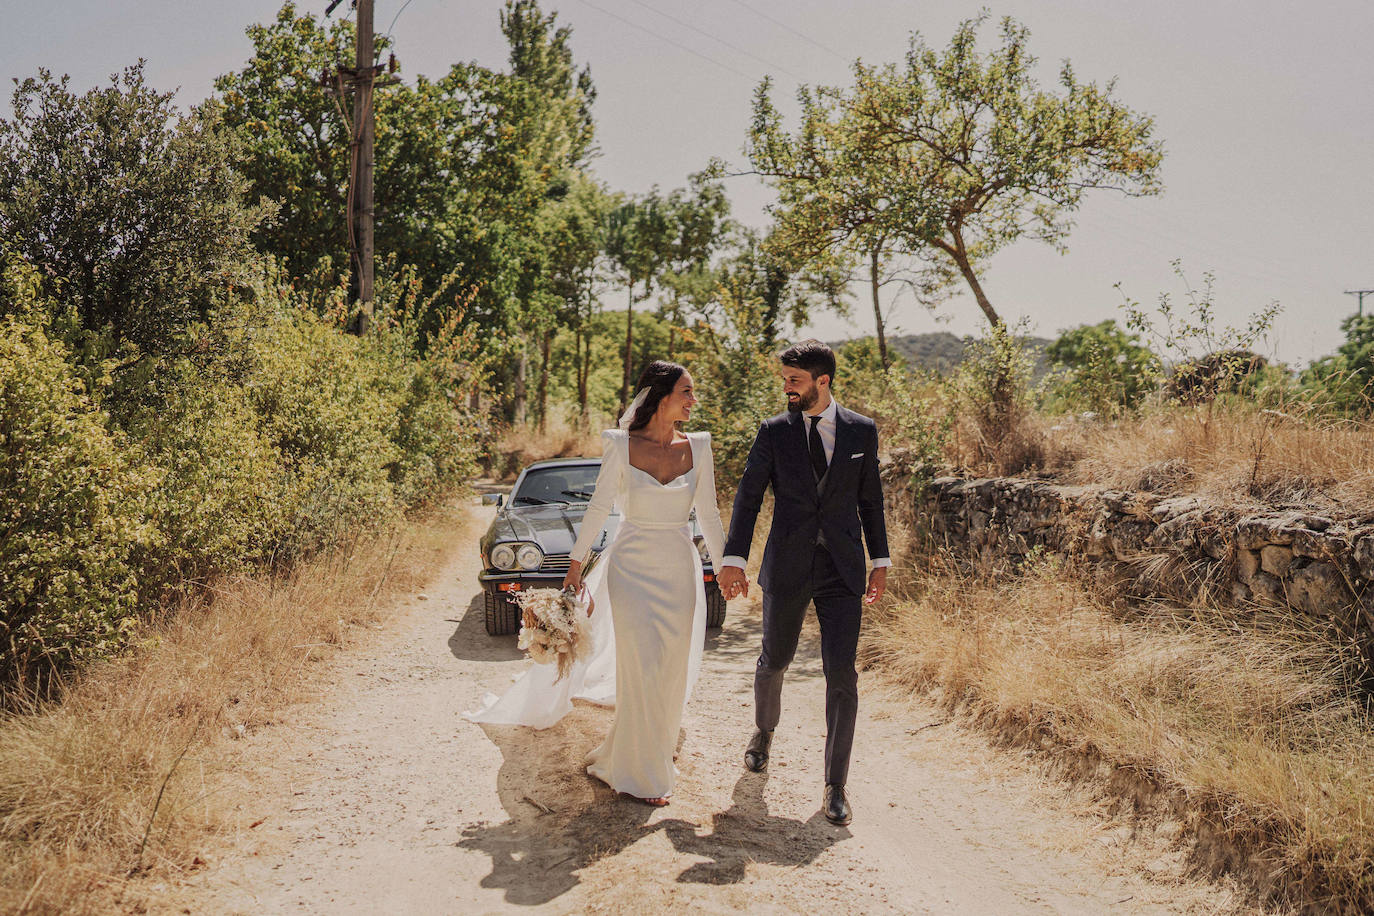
x=364, y=74
x=1361, y=293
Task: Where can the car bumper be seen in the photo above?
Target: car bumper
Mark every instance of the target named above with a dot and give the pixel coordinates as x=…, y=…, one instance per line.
x=504, y=581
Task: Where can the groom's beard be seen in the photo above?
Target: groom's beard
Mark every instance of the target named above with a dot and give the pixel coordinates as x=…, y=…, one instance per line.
x=803, y=401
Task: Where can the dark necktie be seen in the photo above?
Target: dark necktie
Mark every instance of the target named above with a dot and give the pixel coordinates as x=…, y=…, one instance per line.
x=818, y=463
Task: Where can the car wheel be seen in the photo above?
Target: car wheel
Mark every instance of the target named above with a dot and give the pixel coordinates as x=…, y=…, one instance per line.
x=503, y=614
x=715, y=606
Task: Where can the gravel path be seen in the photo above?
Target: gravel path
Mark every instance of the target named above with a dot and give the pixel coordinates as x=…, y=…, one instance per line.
x=377, y=797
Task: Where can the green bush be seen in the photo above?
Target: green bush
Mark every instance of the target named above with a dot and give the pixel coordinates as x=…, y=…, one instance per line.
x=738, y=389
x=323, y=402
x=861, y=379
x=914, y=425
x=1344, y=382
x=73, y=510
x=991, y=389
x=284, y=437
x=436, y=448
x=1105, y=369
x=218, y=504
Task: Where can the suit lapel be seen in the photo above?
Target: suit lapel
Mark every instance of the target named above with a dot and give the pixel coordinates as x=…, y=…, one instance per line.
x=800, y=451
x=840, y=457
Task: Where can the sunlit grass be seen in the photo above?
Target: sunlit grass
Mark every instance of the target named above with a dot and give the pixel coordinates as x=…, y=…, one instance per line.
x=1253, y=724
x=120, y=774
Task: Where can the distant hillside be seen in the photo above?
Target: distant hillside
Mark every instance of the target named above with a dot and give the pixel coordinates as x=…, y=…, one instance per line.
x=941, y=351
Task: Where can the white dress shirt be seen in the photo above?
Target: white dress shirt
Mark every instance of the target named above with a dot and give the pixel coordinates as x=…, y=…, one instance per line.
x=826, y=428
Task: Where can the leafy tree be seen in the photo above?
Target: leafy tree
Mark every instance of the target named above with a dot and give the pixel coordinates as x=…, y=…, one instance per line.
x=785, y=293
x=601, y=340
x=546, y=110
x=555, y=113
x=948, y=157
x=465, y=164
x=657, y=235
x=295, y=134
x=639, y=239
x=574, y=232
x=1108, y=368
x=133, y=212
x=1345, y=380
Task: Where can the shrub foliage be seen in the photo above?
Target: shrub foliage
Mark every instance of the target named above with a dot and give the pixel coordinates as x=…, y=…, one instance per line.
x=73, y=510
x=316, y=436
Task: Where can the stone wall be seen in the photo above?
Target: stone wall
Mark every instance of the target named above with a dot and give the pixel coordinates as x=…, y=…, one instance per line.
x=1179, y=547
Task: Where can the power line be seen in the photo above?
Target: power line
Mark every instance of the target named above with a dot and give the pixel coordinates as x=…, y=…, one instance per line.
x=733, y=47
x=782, y=25
x=666, y=39
x=387, y=36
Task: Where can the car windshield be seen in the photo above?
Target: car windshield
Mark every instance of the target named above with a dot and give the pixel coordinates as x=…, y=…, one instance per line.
x=559, y=484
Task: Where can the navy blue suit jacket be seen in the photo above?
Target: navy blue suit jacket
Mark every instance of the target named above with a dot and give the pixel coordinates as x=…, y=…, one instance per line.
x=851, y=500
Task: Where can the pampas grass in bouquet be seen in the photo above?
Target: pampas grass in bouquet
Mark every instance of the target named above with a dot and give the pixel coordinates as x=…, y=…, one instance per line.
x=553, y=627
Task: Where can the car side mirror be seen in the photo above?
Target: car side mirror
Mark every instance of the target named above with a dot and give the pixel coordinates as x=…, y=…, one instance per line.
x=493, y=499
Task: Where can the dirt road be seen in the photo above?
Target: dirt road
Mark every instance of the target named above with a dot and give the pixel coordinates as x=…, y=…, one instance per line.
x=380, y=798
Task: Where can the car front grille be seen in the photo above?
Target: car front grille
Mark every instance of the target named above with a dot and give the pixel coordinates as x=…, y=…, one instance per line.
x=555, y=563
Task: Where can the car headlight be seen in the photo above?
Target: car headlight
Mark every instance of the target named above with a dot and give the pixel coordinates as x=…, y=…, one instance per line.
x=503, y=556
x=529, y=556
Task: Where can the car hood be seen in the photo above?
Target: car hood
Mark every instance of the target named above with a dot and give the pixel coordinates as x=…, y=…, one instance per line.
x=553, y=528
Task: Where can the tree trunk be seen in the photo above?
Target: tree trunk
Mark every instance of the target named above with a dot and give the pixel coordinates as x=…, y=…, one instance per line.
x=629, y=353
x=583, y=346
x=877, y=309
x=522, y=366
x=960, y=256
x=582, y=372
x=544, y=378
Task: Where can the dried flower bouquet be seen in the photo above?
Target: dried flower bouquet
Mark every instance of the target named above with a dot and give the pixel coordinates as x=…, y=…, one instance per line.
x=553, y=627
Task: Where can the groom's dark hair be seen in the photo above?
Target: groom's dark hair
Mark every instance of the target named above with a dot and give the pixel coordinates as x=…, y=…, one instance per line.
x=660, y=377
x=811, y=355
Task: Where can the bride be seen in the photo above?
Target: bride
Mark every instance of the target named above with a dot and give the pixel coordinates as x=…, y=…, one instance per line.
x=648, y=600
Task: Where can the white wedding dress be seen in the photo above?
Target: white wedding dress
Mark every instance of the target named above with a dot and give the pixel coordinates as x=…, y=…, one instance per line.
x=648, y=625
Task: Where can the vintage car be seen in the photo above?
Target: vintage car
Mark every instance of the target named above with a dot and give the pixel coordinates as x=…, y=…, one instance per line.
x=528, y=542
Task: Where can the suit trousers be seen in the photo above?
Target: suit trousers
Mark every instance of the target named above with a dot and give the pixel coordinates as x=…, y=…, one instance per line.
x=838, y=610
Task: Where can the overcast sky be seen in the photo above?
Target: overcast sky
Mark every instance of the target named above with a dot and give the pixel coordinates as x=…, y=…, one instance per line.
x=1266, y=110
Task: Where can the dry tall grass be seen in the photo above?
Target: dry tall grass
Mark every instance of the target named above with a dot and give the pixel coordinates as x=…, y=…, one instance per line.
x=1242, y=453
x=120, y=776
x=1238, y=453
x=563, y=436
x=1253, y=727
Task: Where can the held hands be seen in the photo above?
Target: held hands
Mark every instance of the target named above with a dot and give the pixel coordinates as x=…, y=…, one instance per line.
x=732, y=582
x=877, y=584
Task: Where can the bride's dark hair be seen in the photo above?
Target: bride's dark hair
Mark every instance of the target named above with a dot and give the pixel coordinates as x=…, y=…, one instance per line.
x=660, y=377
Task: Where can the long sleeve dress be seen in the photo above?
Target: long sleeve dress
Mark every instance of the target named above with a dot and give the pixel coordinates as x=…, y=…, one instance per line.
x=648, y=647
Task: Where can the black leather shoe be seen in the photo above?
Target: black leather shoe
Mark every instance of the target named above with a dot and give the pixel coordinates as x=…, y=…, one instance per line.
x=756, y=756
x=836, y=806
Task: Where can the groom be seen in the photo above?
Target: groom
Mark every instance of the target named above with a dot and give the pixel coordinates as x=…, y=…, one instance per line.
x=822, y=462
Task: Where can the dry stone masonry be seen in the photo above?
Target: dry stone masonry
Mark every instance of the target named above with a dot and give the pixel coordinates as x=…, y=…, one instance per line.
x=1176, y=547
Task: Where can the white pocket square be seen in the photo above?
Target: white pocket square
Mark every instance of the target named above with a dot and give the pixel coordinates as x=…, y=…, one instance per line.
x=857, y=455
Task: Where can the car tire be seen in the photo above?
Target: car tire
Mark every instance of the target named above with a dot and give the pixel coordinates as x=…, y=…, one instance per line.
x=503, y=614
x=715, y=606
